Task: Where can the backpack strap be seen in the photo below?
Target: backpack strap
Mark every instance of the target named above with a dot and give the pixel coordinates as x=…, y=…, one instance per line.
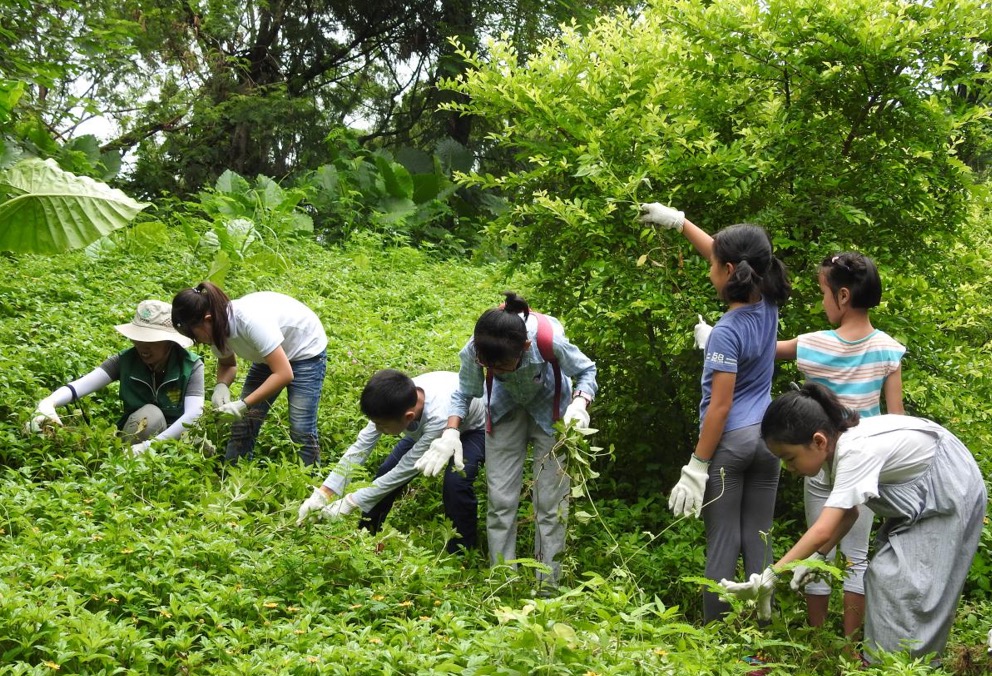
x=545, y=345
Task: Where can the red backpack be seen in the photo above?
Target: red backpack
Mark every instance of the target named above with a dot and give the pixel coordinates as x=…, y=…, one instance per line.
x=545, y=341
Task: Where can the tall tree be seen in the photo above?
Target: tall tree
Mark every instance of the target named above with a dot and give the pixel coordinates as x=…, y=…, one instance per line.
x=196, y=87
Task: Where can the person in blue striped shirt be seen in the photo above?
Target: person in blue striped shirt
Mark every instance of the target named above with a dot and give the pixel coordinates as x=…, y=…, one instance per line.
x=860, y=364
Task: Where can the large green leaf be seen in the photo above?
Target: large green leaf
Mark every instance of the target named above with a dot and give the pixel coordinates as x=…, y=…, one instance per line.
x=49, y=210
x=396, y=178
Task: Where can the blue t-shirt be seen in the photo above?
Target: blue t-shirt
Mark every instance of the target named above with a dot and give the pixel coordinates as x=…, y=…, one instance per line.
x=743, y=342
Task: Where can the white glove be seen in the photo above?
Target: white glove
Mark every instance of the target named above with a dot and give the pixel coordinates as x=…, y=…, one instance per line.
x=662, y=216
x=576, y=413
x=221, y=395
x=759, y=588
x=701, y=332
x=803, y=575
x=235, y=410
x=687, y=496
x=44, y=414
x=140, y=447
x=990, y=641
x=440, y=452
x=314, y=503
x=338, y=508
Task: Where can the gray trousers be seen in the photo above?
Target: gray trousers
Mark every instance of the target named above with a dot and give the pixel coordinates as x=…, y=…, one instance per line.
x=506, y=452
x=854, y=544
x=923, y=552
x=740, y=520
x=146, y=423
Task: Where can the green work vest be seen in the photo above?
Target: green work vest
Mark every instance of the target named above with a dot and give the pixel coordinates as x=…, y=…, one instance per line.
x=139, y=386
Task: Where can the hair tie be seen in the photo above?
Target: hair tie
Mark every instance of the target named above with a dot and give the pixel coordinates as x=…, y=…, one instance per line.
x=840, y=264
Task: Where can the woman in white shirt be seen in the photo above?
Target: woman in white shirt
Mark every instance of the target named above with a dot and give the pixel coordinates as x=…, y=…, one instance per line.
x=287, y=347
x=911, y=472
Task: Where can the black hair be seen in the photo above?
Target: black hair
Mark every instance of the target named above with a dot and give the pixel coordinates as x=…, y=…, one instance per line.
x=756, y=268
x=190, y=306
x=796, y=416
x=388, y=395
x=855, y=272
x=500, y=333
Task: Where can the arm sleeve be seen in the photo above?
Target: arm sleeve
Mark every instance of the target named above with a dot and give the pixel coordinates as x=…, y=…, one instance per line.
x=264, y=335
x=400, y=475
x=195, y=386
x=192, y=408
x=856, y=481
x=192, y=405
x=722, y=350
x=471, y=383
x=576, y=365
x=355, y=456
x=97, y=379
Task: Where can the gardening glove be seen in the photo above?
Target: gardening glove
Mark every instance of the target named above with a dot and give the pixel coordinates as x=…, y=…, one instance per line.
x=140, y=447
x=316, y=502
x=576, y=413
x=234, y=410
x=44, y=414
x=662, y=216
x=803, y=575
x=338, y=508
x=440, y=452
x=701, y=332
x=221, y=395
x=759, y=588
x=990, y=641
x=687, y=496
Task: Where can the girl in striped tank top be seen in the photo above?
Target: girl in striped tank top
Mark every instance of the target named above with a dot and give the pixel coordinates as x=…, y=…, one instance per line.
x=859, y=364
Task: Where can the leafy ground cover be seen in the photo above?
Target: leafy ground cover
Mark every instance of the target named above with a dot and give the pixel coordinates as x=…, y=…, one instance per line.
x=171, y=563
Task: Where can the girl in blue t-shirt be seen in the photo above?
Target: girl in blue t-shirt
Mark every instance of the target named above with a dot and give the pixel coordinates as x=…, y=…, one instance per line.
x=731, y=477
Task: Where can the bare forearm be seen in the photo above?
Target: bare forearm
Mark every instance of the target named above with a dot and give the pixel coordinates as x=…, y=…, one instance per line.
x=270, y=387
x=226, y=373
x=699, y=239
x=822, y=536
x=712, y=431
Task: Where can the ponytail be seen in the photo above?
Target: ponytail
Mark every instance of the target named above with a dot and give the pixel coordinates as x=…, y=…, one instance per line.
x=775, y=285
x=796, y=416
x=756, y=268
x=191, y=306
x=500, y=333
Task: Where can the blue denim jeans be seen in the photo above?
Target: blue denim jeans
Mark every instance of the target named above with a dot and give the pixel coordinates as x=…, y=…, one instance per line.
x=304, y=398
x=458, y=492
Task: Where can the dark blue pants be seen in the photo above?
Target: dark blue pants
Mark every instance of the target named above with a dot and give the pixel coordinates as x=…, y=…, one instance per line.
x=304, y=398
x=458, y=492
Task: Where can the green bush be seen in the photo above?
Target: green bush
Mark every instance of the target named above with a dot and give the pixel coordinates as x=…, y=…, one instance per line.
x=835, y=125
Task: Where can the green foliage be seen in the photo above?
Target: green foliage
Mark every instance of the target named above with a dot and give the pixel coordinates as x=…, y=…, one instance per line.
x=48, y=210
x=24, y=133
x=409, y=198
x=10, y=92
x=249, y=224
x=833, y=124
x=172, y=563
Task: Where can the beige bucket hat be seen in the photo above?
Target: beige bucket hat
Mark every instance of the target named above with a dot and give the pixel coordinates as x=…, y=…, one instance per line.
x=153, y=323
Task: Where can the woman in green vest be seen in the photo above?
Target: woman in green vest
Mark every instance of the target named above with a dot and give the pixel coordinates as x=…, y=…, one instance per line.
x=161, y=381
